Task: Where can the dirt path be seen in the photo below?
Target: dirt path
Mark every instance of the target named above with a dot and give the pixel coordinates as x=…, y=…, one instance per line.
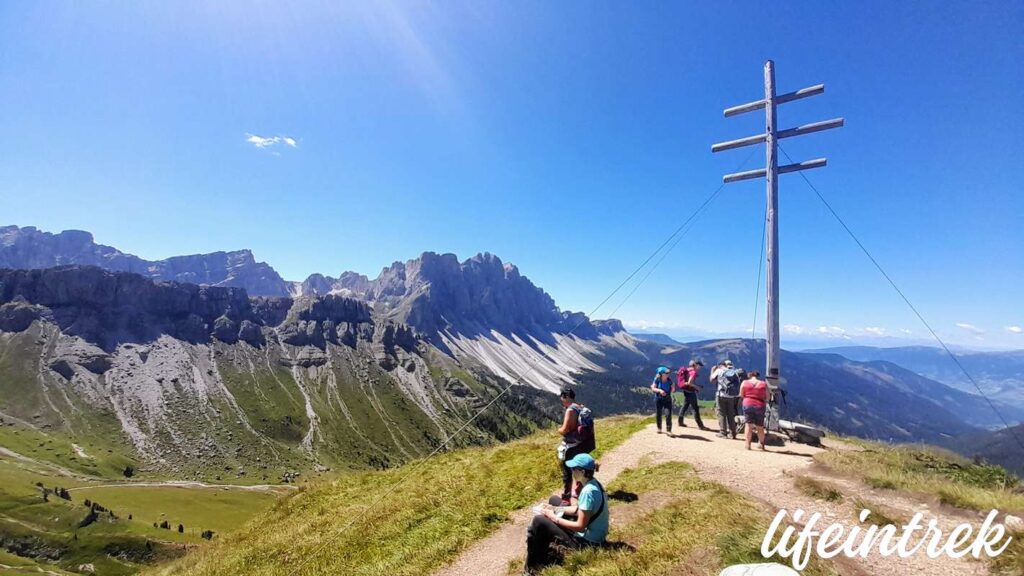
x=728, y=463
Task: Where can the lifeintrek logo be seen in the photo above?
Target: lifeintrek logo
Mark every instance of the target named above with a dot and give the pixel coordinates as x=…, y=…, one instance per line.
x=914, y=537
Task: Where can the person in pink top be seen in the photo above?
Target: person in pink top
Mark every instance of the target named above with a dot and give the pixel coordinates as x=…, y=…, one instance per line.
x=754, y=393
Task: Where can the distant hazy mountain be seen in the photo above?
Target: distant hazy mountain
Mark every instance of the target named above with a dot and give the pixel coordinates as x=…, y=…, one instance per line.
x=872, y=400
x=999, y=374
x=654, y=337
x=998, y=447
x=30, y=248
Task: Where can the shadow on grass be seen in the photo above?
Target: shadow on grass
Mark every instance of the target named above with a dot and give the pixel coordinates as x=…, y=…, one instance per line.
x=623, y=496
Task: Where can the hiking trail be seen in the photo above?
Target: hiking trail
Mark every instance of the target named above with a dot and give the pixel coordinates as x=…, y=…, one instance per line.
x=728, y=463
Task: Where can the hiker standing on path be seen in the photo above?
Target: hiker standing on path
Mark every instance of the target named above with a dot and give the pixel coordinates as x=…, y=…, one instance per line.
x=754, y=392
x=687, y=382
x=577, y=432
x=663, y=388
x=728, y=398
x=588, y=525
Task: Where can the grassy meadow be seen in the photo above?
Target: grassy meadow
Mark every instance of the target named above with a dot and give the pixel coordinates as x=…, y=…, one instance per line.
x=444, y=504
x=49, y=534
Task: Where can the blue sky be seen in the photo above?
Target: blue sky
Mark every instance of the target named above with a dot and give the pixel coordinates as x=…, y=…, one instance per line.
x=569, y=138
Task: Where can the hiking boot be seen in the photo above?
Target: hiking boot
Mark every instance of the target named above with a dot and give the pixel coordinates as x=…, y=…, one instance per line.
x=704, y=428
x=683, y=424
x=659, y=430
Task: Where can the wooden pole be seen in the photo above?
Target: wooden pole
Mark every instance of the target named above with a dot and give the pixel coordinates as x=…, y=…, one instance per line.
x=772, y=167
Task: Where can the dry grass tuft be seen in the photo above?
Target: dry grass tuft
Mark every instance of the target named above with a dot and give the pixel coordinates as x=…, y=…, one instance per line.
x=818, y=489
x=952, y=479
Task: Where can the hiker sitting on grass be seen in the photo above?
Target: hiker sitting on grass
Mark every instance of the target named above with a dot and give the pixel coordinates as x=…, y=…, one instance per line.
x=574, y=527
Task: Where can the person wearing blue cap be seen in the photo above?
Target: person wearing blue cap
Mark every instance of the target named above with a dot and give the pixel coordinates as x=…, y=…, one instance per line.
x=575, y=527
x=663, y=389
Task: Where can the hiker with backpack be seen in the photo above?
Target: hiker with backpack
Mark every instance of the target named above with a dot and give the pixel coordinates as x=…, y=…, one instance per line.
x=687, y=382
x=577, y=432
x=574, y=527
x=663, y=388
x=754, y=392
x=728, y=380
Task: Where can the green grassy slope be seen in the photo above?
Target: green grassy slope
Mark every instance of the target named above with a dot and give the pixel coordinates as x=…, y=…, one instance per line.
x=950, y=478
x=449, y=502
x=240, y=414
x=47, y=533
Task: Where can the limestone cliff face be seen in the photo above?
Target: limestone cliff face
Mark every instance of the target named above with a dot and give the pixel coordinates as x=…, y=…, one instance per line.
x=193, y=377
x=30, y=248
x=436, y=293
x=214, y=361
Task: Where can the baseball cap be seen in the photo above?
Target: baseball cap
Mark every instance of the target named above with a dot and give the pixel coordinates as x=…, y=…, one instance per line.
x=584, y=461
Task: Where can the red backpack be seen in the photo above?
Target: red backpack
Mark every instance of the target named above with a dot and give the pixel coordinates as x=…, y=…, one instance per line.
x=683, y=377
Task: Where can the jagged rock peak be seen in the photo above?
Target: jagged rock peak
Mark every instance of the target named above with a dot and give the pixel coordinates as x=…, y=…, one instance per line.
x=29, y=248
x=109, y=308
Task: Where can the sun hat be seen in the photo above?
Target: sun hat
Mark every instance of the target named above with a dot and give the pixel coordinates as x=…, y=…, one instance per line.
x=662, y=370
x=728, y=363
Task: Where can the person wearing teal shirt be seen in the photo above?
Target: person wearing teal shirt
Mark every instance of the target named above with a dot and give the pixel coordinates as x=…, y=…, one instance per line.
x=575, y=527
x=663, y=387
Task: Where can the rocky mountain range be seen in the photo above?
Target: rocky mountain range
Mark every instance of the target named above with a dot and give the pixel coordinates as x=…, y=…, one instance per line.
x=31, y=248
x=187, y=379
x=205, y=379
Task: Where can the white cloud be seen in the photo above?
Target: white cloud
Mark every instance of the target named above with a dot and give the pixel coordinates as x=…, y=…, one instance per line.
x=906, y=331
x=1015, y=329
x=970, y=328
x=874, y=331
x=262, y=142
x=832, y=331
x=793, y=329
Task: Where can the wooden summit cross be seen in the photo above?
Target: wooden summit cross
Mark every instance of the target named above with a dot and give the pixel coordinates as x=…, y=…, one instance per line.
x=770, y=172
